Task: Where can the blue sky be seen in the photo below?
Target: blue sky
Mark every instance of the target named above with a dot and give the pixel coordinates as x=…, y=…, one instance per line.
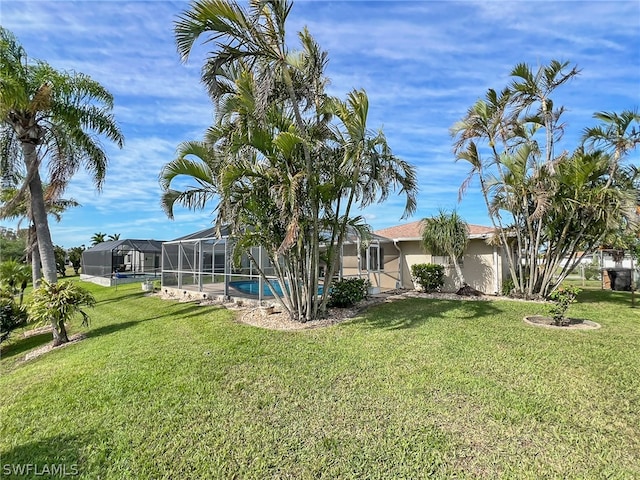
x=422, y=63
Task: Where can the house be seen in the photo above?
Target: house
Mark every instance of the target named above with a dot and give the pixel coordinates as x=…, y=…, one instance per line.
x=121, y=261
x=200, y=262
x=387, y=259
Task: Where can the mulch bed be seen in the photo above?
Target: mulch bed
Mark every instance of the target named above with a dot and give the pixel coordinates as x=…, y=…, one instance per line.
x=49, y=346
x=574, y=323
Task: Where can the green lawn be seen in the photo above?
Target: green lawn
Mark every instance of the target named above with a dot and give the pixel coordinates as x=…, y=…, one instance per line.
x=417, y=388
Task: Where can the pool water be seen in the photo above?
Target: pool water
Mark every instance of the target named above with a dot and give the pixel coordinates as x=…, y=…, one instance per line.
x=252, y=287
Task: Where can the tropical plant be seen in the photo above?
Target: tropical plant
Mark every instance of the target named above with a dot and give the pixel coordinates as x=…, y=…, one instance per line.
x=20, y=211
x=97, y=238
x=115, y=236
x=285, y=177
x=592, y=270
x=429, y=276
x=546, y=205
x=56, y=304
x=12, y=244
x=50, y=117
x=12, y=315
x=617, y=133
x=61, y=260
x=75, y=257
x=447, y=234
x=16, y=276
x=507, y=287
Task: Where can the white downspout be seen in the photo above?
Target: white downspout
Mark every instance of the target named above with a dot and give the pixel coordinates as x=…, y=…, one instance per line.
x=358, y=256
x=399, y=282
x=496, y=272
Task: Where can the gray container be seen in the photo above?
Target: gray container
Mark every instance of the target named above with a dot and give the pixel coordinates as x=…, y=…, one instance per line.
x=620, y=278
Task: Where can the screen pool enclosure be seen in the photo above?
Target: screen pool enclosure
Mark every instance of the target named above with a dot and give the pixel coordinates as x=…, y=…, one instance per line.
x=122, y=261
x=201, y=262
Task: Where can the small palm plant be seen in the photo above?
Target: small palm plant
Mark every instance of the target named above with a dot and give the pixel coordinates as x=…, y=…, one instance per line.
x=12, y=315
x=447, y=234
x=15, y=276
x=57, y=303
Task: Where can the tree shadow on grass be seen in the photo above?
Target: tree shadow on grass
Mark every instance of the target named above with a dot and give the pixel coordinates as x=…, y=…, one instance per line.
x=22, y=344
x=19, y=346
x=413, y=313
x=188, y=310
x=609, y=296
x=57, y=456
x=121, y=298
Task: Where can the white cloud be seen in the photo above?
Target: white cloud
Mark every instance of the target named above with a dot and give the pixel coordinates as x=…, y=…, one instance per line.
x=422, y=63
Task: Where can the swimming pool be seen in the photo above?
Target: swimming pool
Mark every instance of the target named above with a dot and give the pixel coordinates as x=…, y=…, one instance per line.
x=252, y=287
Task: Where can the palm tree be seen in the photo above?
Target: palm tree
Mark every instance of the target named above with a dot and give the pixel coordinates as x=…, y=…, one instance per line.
x=528, y=200
x=16, y=276
x=113, y=237
x=576, y=222
x=534, y=111
x=22, y=210
x=271, y=157
x=57, y=303
x=254, y=42
x=447, y=234
x=97, y=238
x=50, y=116
x=491, y=121
x=616, y=134
x=362, y=170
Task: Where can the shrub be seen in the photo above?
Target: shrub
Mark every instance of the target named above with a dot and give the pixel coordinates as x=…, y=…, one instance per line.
x=12, y=315
x=562, y=298
x=348, y=291
x=61, y=263
x=57, y=303
x=75, y=257
x=429, y=276
x=507, y=287
x=15, y=276
x=592, y=271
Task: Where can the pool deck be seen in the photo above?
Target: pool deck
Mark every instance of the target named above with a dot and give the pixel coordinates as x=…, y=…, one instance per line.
x=214, y=291
x=111, y=281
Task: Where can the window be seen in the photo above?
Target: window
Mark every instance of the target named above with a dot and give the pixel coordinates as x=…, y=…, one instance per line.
x=374, y=261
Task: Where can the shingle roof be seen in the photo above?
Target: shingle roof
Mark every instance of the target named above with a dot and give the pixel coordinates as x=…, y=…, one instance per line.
x=413, y=231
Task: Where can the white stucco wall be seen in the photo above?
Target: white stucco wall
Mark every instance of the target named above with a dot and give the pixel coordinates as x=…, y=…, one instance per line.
x=483, y=266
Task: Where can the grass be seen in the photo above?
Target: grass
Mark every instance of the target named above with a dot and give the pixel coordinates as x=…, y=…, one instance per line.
x=414, y=389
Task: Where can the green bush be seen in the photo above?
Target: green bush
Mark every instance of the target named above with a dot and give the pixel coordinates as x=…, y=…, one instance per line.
x=61, y=264
x=507, y=287
x=429, y=276
x=57, y=303
x=348, y=291
x=562, y=298
x=592, y=271
x=12, y=315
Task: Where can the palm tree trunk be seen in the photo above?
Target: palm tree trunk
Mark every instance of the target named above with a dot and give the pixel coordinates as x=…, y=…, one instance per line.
x=59, y=332
x=33, y=256
x=459, y=273
x=45, y=245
